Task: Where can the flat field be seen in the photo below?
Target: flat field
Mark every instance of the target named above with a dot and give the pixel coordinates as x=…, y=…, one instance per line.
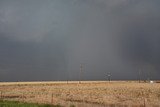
x=84, y=94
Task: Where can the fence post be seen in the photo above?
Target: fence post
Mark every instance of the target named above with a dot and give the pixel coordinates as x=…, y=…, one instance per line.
x=22, y=97
x=1, y=94
x=144, y=102
x=52, y=98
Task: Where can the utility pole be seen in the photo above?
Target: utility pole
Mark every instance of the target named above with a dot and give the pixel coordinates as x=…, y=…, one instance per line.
x=80, y=72
x=150, y=70
x=109, y=76
x=139, y=74
x=148, y=76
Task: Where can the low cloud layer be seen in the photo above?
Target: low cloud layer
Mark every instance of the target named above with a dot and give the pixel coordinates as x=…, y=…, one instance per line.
x=47, y=40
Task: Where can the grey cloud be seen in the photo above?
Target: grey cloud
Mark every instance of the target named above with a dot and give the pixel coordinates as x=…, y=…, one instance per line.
x=47, y=40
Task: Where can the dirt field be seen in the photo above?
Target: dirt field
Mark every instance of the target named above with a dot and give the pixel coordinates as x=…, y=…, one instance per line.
x=85, y=94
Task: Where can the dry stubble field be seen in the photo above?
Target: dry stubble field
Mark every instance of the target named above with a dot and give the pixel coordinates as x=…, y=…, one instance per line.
x=88, y=93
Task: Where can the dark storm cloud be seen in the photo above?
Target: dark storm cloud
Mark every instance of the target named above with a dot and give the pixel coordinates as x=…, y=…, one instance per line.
x=47, y=40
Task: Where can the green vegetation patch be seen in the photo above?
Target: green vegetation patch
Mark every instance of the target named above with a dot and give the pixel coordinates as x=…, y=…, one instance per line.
x=19, y=104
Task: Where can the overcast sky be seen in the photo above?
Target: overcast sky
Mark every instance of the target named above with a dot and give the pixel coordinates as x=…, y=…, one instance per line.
x=48, y=39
